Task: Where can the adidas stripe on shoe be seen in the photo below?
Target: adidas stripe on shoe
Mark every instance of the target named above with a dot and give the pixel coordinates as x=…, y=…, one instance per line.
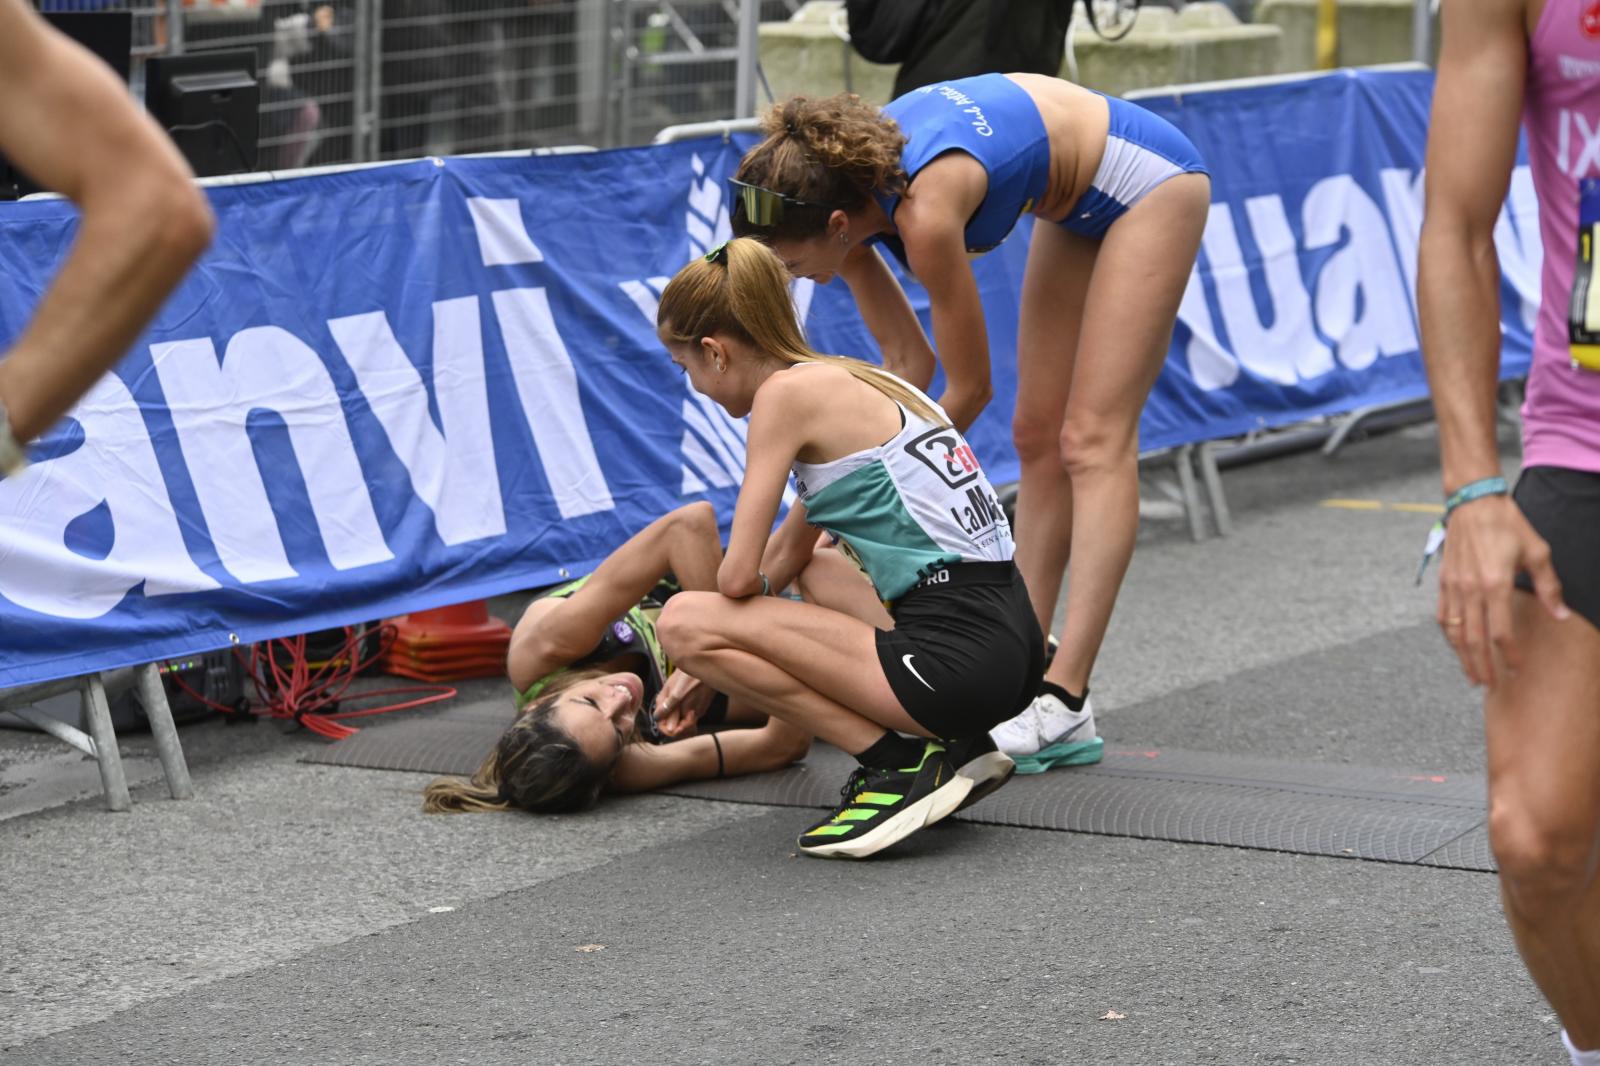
x=880, y=807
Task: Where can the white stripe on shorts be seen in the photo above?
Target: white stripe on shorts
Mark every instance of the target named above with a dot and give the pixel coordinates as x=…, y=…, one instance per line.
x=1129, y=170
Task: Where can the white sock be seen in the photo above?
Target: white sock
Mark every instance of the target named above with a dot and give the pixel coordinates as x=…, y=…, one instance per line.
x=1580, y=1058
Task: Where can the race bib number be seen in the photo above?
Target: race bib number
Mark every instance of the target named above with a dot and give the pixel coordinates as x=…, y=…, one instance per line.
x=1583, y=316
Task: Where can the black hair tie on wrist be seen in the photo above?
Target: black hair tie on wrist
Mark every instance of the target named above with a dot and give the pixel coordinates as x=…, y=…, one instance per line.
x=721, y=770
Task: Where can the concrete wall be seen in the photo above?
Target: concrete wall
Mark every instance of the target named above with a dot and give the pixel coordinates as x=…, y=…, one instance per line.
x=807, y=56
x=1204, y=41
x=1370, y=31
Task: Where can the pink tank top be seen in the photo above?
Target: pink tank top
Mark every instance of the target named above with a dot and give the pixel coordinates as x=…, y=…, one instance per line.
x=1561, y=111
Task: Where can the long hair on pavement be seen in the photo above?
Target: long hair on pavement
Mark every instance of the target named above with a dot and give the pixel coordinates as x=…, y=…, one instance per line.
x=535, y=766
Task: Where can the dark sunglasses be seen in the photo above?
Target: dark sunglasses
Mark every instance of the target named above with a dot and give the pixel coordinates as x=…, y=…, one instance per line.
x=765, y=209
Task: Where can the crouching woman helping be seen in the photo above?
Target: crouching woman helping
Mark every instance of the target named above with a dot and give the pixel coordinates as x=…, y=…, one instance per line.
x=878, y=466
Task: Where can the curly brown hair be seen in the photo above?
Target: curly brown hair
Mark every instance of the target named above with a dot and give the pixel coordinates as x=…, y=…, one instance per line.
x=836, y=152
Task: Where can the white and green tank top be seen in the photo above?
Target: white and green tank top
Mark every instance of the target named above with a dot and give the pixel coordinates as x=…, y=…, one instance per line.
x=908, y=507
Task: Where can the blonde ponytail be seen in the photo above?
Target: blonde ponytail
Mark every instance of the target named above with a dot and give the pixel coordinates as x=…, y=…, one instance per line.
x=747, y=295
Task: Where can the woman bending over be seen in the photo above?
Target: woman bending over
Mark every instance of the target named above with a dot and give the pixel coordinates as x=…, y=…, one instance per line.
x=944, y=173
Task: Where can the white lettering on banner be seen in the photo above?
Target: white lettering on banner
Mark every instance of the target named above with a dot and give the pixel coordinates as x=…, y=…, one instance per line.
x=115, y=466
x=266, y=368
x=452, y=467
x=1402, y=198
x=1365, y=267
x=1365, y=292
x=707, y=219
x=1210, y=364
x=502, y=235
x=547, y=385
x=698, y=462
x=1520, y=247
x=700, y=415
x=1288, y=350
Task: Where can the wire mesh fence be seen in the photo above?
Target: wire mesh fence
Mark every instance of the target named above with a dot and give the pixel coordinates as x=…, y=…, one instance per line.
x=358, y=80
x=675, y=61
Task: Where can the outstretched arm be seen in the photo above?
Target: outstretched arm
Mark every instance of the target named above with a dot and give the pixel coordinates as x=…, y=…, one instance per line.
x=744, y=751
x=1472, y=143
x=143, y=221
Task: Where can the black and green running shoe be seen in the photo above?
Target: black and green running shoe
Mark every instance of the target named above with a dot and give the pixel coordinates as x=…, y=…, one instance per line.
x=979, y=761
x=880, y=807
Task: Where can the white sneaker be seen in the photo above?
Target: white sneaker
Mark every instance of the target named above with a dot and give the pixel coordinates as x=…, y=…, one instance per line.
x=1060, y=725
x=1019, y=735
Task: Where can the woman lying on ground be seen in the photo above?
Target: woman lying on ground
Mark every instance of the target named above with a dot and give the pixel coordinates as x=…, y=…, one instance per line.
x=878, y=466
x=600, y=705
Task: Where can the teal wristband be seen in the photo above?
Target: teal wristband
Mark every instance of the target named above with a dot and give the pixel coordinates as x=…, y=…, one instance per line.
x=1475, y=490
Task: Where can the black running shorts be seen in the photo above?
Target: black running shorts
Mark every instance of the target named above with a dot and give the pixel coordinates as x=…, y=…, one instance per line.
x=1563, y=506
x=965, y=653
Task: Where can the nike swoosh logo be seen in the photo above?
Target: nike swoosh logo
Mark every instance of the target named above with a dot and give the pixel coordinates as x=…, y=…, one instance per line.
x=905, y=660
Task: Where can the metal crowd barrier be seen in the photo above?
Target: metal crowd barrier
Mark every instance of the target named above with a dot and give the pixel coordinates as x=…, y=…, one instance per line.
x=101, y=740
x=354, y=81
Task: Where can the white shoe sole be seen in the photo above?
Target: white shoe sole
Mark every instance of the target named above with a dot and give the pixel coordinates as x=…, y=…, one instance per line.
x=987, y=773
x=936, y=805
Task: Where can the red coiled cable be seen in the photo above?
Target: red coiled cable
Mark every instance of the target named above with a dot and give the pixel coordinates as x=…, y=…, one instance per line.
x=289, y=686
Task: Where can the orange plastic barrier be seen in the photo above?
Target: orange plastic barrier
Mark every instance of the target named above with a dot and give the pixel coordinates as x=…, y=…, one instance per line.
x=449, y=644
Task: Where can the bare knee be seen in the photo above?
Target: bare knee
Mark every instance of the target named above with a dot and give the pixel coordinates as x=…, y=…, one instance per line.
x=685, y=626
x=1092, y=445
x=698, y=519
x=1035, y=436
x=1546, y=864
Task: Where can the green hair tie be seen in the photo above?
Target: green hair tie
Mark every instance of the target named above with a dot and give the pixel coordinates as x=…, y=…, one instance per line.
x=719, y=254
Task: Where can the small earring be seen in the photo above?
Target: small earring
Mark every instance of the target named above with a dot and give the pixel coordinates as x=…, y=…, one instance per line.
x=844, y=238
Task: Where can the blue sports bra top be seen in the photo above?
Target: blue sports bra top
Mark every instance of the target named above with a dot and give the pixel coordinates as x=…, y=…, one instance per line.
x=992, y=119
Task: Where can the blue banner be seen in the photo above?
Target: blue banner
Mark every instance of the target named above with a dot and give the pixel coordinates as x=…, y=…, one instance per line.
x=403, y=387
x=1304, y=301
x=380, y=391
